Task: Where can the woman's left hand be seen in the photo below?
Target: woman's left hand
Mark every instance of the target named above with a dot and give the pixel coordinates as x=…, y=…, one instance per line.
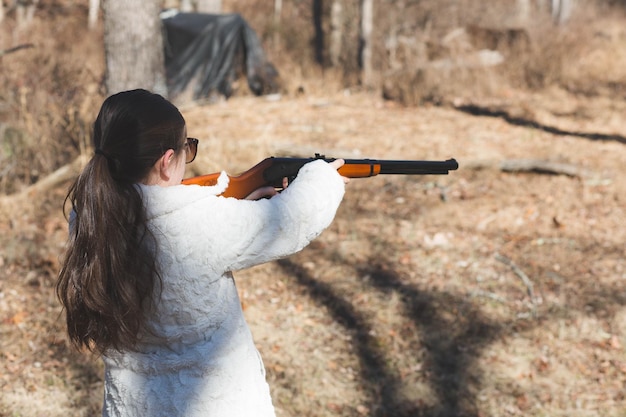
x=263, y=192
x=266, y=192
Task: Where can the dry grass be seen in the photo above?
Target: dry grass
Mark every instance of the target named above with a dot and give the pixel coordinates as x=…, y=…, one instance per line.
x=49, y=93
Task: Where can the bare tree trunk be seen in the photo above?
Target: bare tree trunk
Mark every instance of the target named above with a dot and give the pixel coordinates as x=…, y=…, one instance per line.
x=336, y=32
x=278, y=11
x=561, y=11
x=1, y=10
x=367, y=24
x=209, y=6
x=186, y=6
x=25, y=13
x=94, y=8
x=522, y=12
x=133, y=43
x=319, y=31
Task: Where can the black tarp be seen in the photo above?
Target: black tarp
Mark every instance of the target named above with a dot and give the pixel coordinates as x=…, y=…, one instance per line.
x=207, y=53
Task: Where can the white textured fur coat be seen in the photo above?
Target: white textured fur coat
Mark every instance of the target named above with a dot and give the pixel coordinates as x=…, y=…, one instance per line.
x=197, y=356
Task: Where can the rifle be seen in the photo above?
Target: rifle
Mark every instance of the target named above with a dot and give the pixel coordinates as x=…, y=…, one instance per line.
x=272, y=170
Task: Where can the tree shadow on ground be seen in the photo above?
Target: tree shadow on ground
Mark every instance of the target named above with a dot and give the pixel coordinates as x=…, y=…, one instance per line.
x=452, y=345
x=453, y=331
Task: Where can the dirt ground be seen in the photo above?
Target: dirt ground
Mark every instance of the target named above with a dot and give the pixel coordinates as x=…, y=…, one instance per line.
x=486, y=292
x=479, y=293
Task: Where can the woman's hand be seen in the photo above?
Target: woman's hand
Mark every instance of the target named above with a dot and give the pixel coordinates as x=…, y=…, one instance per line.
x=265, y=192
x=269, y=192
x=338, y=163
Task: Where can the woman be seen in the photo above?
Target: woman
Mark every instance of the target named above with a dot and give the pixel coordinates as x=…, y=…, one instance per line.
x=147, y=278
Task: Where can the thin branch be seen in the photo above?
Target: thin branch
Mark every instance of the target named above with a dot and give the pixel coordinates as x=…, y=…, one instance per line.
x=527, y=282
x=15, y=49
x=59, y=176
x=489, y=295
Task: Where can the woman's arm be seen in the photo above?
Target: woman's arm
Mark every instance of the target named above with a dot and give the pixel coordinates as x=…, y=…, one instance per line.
x=254, y=232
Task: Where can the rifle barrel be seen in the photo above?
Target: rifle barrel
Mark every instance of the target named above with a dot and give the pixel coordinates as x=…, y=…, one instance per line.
x=409, y=167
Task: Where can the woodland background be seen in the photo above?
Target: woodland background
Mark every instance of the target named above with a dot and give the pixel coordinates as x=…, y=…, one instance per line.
x=496, y=290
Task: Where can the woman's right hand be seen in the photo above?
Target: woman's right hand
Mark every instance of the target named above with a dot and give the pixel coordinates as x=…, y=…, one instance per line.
x=338, y=163
x=269, y=192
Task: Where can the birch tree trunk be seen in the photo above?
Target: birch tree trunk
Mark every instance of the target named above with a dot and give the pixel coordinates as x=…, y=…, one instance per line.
x=522, y=11
x=186, y=6
x=25, y=13
x=561, y=11
x=133, y=44
x=94, y=8
x=209, y=6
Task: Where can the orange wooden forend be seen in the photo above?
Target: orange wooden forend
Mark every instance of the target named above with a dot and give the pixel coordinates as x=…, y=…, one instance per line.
x=359, y=170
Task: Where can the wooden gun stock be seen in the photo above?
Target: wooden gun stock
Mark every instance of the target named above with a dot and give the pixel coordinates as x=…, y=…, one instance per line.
x=271, y=171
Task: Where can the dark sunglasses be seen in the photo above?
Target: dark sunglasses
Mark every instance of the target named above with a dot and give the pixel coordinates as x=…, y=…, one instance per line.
x=191, y=149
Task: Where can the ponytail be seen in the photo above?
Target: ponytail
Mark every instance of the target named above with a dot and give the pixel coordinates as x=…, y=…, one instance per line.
x=109, y=272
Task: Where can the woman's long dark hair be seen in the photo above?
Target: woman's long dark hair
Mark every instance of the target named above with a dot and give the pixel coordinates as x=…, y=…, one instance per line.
x=109, y=271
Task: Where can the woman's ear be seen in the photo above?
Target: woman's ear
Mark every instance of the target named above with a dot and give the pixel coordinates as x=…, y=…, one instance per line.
x=165, y=170
x=165, y=165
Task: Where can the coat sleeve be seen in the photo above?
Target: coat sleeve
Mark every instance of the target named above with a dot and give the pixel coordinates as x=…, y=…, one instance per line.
x=247, y=233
